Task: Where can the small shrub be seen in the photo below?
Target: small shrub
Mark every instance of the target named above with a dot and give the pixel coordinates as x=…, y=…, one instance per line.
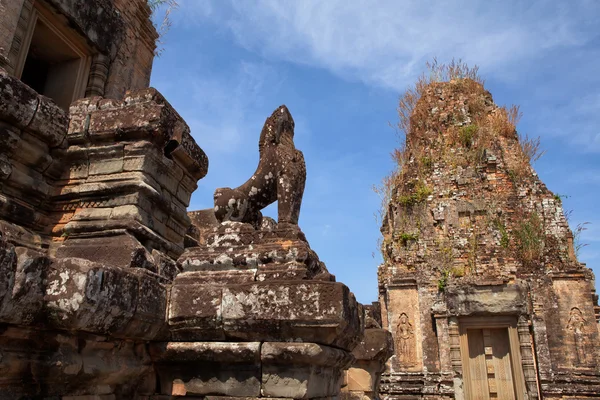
x=427, y=162
x=404, y=237
x=384, y=191
x=577, y=237
x=559, y=198
x=502, y=121
x=531, y=148
x=467, y=134
x=443, y=281
x=165, y=24
x=514, y=115
x=419, y=194
x=504, y=239
x=423, y=192
x=529, y=239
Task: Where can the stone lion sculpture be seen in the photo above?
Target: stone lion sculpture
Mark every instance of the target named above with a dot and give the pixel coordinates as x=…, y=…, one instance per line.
x=280, y=175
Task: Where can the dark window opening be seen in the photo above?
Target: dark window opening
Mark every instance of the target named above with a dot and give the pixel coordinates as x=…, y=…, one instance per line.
x=35, y=73
x=55, y=66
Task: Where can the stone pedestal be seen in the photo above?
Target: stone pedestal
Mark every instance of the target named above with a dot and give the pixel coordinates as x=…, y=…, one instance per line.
x=361, y=380
x=249, y=369
x=246, y=320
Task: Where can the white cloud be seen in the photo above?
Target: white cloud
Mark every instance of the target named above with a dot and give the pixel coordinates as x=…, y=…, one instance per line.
x=220, y=108
x=386, y=42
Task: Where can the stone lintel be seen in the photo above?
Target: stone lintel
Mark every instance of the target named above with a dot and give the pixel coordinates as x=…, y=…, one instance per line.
x=400, y=282
x=100, y=27
x=508, y=299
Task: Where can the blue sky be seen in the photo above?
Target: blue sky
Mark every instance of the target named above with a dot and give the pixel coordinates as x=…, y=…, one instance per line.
x=340, y=65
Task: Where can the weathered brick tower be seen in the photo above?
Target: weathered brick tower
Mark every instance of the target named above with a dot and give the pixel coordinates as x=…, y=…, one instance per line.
x=107, y=289
x=480, y=285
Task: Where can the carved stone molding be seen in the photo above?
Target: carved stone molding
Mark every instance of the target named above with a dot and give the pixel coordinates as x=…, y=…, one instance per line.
x=527, y=359
x=98, y=76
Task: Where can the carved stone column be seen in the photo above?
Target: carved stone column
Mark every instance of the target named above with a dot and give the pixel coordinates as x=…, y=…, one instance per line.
x=454, y=333
x=98, y=76
x=527, y=359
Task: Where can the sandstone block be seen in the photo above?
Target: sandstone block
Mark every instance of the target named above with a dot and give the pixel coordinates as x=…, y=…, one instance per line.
x=377, y=344
x=195, y=312
x=18, y=102
x=50, y=123
x=201, y=368
x=360, y=379
x=88, y=296
x=302, y=370
x=310, y=311
x=123, y=250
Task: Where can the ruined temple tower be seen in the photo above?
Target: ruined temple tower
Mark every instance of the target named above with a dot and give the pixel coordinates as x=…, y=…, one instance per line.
x=109, y=288
x=480, y=285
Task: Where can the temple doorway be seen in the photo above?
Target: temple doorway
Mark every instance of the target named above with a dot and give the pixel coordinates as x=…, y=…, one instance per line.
x=491, y=363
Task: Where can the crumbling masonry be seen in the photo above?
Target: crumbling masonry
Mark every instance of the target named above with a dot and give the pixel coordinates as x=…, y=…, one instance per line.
x=109, y=289
x=481, y=287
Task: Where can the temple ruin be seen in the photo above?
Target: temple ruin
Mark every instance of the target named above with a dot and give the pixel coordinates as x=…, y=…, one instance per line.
x=480, y=286
x=110, y=289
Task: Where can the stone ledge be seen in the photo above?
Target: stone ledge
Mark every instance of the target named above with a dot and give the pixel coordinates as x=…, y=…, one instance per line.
x=202, y=368
x=87, y=296
x=23, y=107
x=249, y=369
x=142, y=115
x=309, y=311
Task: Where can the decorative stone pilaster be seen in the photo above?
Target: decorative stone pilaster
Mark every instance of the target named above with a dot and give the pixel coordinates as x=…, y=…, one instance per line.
x=133, y=166
x=527, y=360
x=98, y=75
x=21, y=37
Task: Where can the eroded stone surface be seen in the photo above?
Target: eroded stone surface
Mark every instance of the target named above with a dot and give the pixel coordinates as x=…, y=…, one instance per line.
x=472, y=236
x=203, y=368
x=280, y=176
x=302, y=370
x=98, y=300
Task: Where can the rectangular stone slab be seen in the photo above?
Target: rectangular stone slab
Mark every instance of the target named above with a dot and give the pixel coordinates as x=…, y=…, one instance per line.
x=202, y=368
x=306, y=311
x=302, y=370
